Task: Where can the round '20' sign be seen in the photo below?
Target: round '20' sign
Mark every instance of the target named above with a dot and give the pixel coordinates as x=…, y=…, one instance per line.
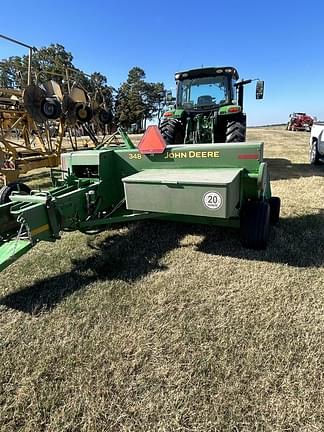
x=212, y=200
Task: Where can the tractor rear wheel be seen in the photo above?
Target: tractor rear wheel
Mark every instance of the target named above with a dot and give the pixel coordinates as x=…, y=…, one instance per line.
x=236, y=130
x=314, y=155
x=6, y=191
x=255, y=224
x=172, y=131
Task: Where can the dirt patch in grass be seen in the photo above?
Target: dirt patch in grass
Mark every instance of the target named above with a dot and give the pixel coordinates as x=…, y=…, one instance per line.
x=169, y=327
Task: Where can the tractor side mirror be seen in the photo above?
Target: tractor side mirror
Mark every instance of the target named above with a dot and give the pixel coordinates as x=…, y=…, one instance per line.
x=259, y=90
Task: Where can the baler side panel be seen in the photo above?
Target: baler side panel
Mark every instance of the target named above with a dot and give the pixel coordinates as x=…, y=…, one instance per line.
x=242, y=155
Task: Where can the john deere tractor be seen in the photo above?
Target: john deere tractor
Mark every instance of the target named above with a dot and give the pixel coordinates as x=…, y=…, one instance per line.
x=208, y=107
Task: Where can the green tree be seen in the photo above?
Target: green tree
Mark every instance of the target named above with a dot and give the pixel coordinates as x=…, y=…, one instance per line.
x=51, y=63
x=130, y=106
x=154, y=100
x=55, y=63
x=13, y=72
x=137, y=100
x=47, y=63
x=101, y=92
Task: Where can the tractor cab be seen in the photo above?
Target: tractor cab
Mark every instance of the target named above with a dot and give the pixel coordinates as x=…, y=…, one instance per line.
x=205, y=89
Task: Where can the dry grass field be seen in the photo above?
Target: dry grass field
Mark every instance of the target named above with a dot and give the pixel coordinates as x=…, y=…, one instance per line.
x=168, y=327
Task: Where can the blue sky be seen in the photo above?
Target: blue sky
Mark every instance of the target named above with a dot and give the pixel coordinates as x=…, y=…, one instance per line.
x=280, y=42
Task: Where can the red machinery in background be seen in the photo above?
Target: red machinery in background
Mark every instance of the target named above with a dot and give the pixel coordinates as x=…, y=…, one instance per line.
x=300, y=122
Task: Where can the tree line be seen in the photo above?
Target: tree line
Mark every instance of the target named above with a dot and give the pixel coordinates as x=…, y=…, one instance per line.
x=132, y=104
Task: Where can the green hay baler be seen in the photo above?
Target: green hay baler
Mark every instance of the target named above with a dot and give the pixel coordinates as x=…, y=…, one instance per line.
x=220, y=184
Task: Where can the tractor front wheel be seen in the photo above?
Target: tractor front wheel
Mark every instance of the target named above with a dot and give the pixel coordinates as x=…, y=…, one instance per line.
x=236, y=130
x=255, y=224
x=172, y=131
x=6, y=191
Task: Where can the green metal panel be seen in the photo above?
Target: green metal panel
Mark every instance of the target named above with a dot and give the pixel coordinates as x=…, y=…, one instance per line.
x=127, y=161
x=11, y=251
x=175, y=113
x=199, y=192
x=178, y=113
x=117, y=163
x=221, y=177
x=91, y=157
x=243, y=155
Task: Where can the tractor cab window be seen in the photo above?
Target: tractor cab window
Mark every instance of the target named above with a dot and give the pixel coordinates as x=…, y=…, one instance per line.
x=203, y=92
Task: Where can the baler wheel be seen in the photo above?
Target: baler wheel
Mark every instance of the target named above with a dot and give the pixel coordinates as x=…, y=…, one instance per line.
x=255, y=224
x=172, y=131
x=6, y=191
x=274, y=210
x=236, y=130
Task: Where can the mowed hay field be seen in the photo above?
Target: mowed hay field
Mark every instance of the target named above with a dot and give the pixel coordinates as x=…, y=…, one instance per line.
x=168, y=327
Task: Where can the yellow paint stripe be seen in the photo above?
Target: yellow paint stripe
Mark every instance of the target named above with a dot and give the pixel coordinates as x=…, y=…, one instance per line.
x=39, y=230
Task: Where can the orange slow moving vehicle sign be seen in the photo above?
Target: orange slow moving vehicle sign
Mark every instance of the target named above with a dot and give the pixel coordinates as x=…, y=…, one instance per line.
x=152, y=141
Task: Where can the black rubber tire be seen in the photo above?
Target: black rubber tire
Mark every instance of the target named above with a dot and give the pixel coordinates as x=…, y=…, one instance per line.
x=314, y=156
x=236, y=130
x=255, y=224
x=83, y=113
x=6, y=191
x=274, y=210
x=51, y=109
x=105, y=117
x=172, y=131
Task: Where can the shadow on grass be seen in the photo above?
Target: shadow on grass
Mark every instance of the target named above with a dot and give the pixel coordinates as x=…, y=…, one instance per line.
x=284, y=169
x=295, y=241
x=124, y=256
x=137, y=252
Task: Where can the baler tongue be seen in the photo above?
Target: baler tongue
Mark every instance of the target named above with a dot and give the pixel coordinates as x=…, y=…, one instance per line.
x=11, y=250
x=16, y=234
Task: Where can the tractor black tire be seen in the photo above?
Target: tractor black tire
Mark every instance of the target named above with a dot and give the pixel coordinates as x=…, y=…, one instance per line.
x=172, y=131
x=51, y=109
x=314, y=156
x=105, y=117
x=6, y=191
x=274, y=210
x=236, y=130
x=255, y=224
